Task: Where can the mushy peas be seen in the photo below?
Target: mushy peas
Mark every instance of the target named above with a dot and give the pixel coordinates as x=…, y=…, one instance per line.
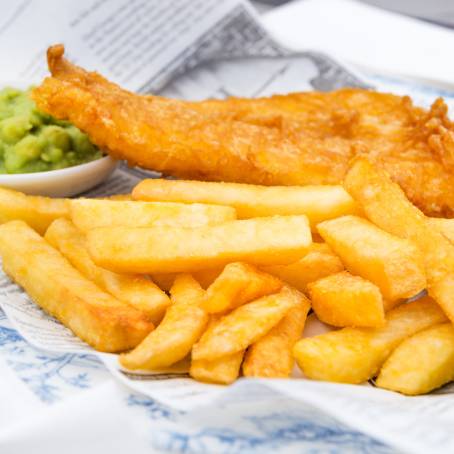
x=32, y=141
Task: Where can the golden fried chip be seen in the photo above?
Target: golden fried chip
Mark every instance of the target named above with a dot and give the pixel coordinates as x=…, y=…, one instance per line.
x=393, y=264
x=320, y=261
x=345, y=300
x=385, y=204
x=238, y=284
x=421, y=363
x=182, y=326
x=224, y=370
x=445, y=226
x=442, y=291
x=186, y=290
x=280, y=239
x=91, y=213
x=135, y=290
x=98, y=318
x=37, y=211
x=272, y=355
x=354, y=355
x=318, y=203
x=243, y=326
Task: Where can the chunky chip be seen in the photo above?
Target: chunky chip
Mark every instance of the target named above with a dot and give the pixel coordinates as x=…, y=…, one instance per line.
x=345, y=300
x=318, y=262
x=318, y=203
x=243, y=326
x=354, y=355
x=224, y=370
x=272, y=355
x=52, y=283
x=393, y=264
x=238, y=284
x=182, y=325
x=421, y=363
x=442, y=291
x=385, y=204
x=135, y=290
x=92, y=213
x=37, y=211
x=186, y=290
x=280, y=239
x=445, y=226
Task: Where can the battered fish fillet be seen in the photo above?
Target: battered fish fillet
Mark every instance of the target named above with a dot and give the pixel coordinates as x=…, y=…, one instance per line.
x=295, y=139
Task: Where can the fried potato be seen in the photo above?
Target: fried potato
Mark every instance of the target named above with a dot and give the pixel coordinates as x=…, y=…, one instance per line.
x=243, y=326
x=280, y=239
x=442, y=291
x=272, y=355
x=96, y=317
x=37, y=211
x=386, y=205
x=320, y=261
x=238, y=284
x=186, y=290
x=445, y=226
x=318, y=203
x=182, y=326
x=393, y=264
x=224, y=370
x=421, y=363
x=135, y=290
x=354, y=355
x=91, y=213
x=345, y=300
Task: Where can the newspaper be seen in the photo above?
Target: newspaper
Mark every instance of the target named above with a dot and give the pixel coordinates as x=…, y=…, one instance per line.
x=196, y=49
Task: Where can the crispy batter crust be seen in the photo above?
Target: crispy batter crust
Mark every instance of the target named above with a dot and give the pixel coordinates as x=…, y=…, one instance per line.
x=300, y=138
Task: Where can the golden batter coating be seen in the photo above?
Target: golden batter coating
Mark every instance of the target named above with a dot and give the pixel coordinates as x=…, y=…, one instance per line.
x=295, y=139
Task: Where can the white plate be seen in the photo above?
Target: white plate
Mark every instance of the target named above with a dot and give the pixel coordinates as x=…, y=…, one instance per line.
x=61, y=183
x=58, y=183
